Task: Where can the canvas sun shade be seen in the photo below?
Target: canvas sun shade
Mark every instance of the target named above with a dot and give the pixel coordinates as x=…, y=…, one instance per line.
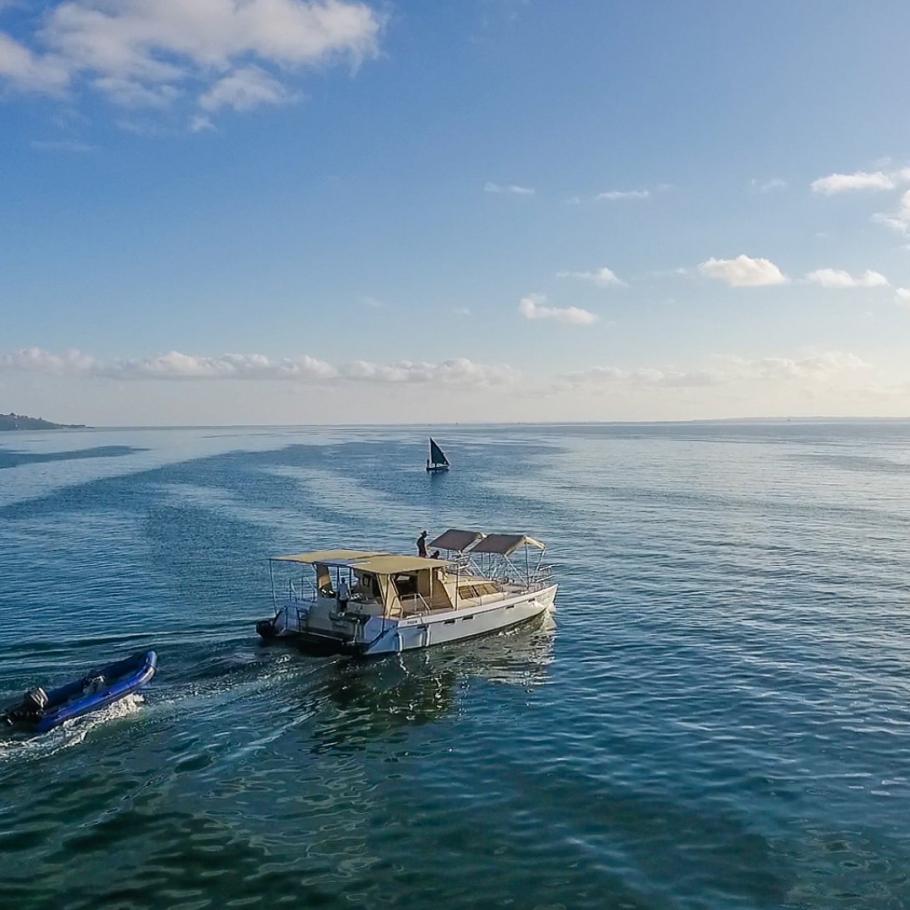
x=329, y=557
x=390, y=564
x=454, y=539
x=505, y=544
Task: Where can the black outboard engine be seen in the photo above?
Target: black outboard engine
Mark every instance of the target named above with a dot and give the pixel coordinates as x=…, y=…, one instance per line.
x=35, y=700
x=30, y=709
x=266, y=628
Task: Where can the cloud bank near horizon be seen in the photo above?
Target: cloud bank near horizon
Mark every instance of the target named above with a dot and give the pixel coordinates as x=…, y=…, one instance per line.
x=178, y=366
x=818, y=366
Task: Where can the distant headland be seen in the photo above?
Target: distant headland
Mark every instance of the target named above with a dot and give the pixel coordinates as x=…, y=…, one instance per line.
x=21, y=422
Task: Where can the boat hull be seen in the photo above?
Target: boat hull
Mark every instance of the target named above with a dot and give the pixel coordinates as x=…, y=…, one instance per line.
x=120, y=679
x=459, y=625
x=428, y=630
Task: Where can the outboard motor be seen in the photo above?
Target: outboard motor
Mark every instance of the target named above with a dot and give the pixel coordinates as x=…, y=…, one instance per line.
x=35, y=700
x=30, y=709
x=266, y=628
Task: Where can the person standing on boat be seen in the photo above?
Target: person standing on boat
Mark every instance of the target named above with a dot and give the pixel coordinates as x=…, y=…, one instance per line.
x=422, y=544
x=344, y=595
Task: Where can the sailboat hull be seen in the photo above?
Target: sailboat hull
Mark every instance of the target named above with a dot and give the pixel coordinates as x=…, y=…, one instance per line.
x=436, y=468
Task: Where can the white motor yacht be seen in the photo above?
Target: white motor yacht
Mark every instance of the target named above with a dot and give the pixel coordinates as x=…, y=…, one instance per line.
x=371, y=602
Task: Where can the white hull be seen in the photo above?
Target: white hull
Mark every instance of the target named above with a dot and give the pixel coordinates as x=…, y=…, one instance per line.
x=391, y=636
x=457, y=625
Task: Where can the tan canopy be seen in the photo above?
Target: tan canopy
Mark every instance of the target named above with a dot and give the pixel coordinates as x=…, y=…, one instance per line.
x=506, y=544
x=329, y=557
x=454, y=539
x=388, y=564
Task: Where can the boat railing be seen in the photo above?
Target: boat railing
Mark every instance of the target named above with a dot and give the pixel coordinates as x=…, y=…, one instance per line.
x=541, y=577
x=301, y=593
x=460, y=564
x=301, y=616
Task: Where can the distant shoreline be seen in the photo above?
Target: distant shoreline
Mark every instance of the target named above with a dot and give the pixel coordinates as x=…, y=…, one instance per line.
x=706, y=421
x=17, y=422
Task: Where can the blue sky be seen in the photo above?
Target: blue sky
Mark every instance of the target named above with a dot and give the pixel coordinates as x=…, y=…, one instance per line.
x=397, y=211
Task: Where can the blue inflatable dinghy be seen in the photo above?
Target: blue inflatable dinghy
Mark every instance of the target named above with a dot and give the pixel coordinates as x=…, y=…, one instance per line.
x=40, y=711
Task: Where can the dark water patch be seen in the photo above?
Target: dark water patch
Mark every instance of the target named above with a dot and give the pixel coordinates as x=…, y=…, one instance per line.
x=858, y=462
x=12, y=459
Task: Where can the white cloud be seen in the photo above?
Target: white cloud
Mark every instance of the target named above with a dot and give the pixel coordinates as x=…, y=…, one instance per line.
x=898, y=220
x=743, y=272
x=61, y=145
x=200, y=123
x=820, y=367
x=175, y=365
x=152, y=52
x=31, y=72
x=823, y=367
x=768, y=186
x=510, y=188
x=641, y=376
x=457, y=372
x=534, y=307
x=860, y=180
x=602, y=277
x=41, y=361
x=614, y=195
x=135, y=94
x=304, y=369
x=620, y=195
x=838, y=278
x=243, y=89
x=902, y=297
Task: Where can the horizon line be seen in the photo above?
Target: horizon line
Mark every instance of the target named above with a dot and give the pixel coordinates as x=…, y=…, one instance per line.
x=477, y=423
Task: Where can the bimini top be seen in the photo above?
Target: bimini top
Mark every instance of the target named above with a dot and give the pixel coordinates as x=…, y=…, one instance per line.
x=374, y=561
x=390, y=564
x=329, y=557
x=453, y=539
x=506, y=544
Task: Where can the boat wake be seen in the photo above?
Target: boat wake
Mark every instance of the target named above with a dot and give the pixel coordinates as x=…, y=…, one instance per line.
x=70, y=733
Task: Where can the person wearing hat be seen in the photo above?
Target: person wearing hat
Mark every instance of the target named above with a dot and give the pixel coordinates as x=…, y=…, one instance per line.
x=422, y=544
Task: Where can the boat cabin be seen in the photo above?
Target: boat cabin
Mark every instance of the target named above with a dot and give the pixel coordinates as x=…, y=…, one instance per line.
x=379, y=584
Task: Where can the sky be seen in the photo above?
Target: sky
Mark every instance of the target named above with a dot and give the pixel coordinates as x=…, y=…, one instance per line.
x=333, y=211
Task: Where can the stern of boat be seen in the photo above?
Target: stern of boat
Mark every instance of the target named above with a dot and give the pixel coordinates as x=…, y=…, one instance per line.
x=322, y=624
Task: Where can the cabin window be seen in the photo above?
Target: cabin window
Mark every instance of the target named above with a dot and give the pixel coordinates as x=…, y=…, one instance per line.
x=406, y=585
x=369, y=586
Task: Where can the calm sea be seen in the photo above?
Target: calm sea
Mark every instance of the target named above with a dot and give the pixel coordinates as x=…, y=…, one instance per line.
x=718, y=717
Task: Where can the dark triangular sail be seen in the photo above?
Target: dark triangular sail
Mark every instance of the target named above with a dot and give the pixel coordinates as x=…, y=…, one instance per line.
x=437, y=456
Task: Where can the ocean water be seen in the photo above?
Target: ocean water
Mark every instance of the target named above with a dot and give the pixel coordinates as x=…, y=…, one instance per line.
x=717, y=716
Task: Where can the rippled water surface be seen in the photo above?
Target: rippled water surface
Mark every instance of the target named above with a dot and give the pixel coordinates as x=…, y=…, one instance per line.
x=718, y=716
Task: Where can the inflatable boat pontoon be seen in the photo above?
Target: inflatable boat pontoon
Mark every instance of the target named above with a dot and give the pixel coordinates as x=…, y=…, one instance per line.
x=40, y=711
